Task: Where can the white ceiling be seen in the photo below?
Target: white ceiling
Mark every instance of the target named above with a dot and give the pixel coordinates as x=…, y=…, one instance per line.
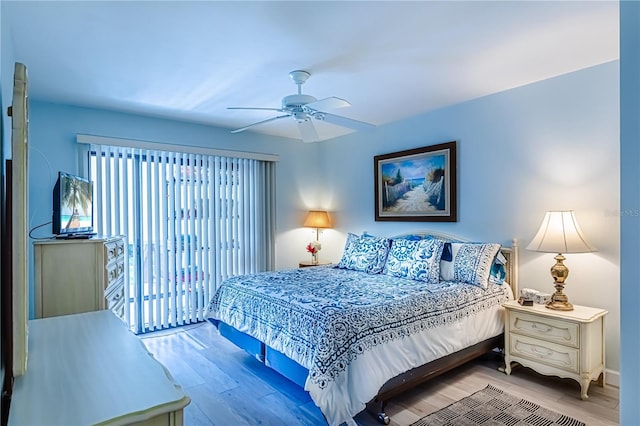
x=392, y=60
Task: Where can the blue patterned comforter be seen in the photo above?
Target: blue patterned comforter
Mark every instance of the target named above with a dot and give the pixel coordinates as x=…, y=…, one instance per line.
x=324, y=317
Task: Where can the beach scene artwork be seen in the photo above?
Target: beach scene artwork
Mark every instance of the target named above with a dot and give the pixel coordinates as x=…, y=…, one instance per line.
x=414, y=185
x=417, y=184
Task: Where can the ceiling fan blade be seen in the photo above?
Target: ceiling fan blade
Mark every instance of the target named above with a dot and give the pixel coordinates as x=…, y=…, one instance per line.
x=327, y=103
x=259, y=122
x=257, y=108
x=343, y=121
x=307, y=131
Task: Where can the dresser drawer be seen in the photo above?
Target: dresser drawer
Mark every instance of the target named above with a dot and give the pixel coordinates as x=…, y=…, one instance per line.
x=111, y=250
x=114, y=271
x=551, y=354
x=120, y=247
x=114, y=293
x=118, y=309
x=549, y=329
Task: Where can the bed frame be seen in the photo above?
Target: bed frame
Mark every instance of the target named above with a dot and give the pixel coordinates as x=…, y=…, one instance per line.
x=399, y=384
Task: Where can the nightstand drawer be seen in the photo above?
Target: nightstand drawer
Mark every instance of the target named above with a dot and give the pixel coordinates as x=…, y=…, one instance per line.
x=557, y=356
x=549, y=329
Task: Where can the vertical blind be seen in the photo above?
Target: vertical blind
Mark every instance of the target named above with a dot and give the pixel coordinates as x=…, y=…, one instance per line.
x=191, y=220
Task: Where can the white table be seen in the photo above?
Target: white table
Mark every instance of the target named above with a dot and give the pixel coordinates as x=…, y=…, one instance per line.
x=89, y=368
x=561, y=343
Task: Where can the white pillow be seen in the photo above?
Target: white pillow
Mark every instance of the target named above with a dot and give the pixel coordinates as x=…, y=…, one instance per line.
x=471, y=263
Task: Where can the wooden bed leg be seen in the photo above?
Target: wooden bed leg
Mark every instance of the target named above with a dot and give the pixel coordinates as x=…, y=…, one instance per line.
x=383, y=418
x=376, y=409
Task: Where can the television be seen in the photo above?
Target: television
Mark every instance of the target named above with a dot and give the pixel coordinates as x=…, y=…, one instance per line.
x=72, y=207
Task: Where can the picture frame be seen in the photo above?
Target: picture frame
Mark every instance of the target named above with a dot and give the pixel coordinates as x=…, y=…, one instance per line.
x=417, y=185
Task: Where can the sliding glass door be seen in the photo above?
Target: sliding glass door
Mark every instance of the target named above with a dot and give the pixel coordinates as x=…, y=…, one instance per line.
x=191, y=221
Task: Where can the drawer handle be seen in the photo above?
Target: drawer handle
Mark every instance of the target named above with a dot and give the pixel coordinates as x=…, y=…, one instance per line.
x=541, y=327
x=541, y=353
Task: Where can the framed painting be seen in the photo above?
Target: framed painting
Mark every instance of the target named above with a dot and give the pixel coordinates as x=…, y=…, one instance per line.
x=417, y=185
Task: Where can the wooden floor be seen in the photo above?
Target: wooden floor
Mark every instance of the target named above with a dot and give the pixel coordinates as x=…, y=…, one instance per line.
x=228, y=387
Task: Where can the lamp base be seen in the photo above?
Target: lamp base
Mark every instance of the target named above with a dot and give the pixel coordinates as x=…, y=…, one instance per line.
x=558, y=305
x=559, y=301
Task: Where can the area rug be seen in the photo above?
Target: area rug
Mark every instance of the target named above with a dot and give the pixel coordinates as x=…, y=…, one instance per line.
x=492, y=406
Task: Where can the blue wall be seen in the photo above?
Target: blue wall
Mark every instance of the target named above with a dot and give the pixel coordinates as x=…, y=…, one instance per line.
x=541, y=146
x=630, y=202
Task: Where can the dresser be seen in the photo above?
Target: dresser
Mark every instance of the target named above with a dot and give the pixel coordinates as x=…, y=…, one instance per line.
x=81, y=275
x=88, y=369
x=567, y=344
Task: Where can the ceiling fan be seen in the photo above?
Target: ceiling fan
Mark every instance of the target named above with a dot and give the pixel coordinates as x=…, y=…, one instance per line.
x=303, y=107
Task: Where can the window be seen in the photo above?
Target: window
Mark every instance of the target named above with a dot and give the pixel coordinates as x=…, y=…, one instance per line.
x=191, y=220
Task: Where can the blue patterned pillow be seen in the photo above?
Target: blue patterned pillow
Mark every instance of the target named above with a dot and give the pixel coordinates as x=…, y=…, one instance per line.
x=352, y=239
x=471, y=264
x=416, y=260
x=366, y=253
x=400, y=257
x=349, y=247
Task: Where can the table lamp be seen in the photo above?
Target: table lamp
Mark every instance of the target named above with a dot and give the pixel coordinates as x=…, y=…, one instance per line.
x=560, y=233
x=316, y=219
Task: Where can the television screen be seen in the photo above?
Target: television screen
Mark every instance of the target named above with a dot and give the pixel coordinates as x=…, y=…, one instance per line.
x=72, y=206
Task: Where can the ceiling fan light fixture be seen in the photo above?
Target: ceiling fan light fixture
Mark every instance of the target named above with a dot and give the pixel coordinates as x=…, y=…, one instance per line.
x=300, y=116
x=296, y=101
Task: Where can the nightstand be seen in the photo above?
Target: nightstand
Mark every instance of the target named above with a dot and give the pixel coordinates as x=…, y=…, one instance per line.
x=304, y=264
x=567, y=344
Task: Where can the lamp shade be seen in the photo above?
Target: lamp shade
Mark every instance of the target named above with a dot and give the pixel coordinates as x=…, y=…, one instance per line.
x=317, y=219
x=560, y=233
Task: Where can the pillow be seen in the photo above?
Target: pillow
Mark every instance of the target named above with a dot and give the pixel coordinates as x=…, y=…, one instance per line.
x=498, y=272
x=471, y=263
x=366, y=253
x=411, y=237
x=349, y=245
x=446, y=252
x=416, y=260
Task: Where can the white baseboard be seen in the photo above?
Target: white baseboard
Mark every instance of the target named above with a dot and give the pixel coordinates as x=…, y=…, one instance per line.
x=612, y=378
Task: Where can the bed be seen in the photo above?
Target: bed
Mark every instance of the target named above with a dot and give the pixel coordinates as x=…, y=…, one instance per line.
x=391, y=314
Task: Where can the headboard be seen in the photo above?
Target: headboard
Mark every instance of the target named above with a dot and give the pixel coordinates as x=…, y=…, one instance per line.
x=510, y=253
